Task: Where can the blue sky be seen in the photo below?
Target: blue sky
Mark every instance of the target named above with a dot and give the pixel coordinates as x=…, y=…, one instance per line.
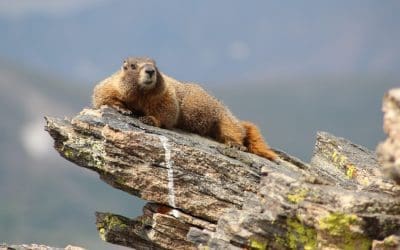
x=206, y=41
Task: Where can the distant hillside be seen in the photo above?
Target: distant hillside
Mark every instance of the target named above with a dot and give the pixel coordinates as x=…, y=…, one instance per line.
x=25, y=97
x=193, y=41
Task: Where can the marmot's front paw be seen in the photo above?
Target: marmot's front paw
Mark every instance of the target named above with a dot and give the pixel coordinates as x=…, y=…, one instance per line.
x=150, y=120
x=237, y=146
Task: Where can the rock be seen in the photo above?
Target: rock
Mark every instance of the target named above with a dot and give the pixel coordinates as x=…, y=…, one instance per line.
x=36, y=247
x=391, y=242
x=389, y=150
x=203, y=194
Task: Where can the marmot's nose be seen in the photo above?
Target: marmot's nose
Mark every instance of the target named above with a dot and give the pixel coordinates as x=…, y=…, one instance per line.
x=150, y=72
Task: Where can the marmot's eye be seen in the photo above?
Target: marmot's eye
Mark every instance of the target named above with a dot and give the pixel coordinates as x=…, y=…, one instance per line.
x=133, y=66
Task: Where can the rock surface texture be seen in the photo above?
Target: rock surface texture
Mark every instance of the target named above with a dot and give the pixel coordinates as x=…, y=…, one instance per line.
x=205, y=195
x=36, y=247
x=389, y=150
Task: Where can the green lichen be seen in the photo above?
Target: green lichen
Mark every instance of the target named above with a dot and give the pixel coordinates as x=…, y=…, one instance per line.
x=91, y=159
x=102, y=233
x=201, y=247
x=337, y=159
x=109, y=223
x=89, y=152
x=350, y=171
x=300, y=236
x=279, y=242
x=337, y=223
x=298, y=196
x=114, y=222
x=68, y=153
x=391, y=241
x=340, y=229
x=257, y=244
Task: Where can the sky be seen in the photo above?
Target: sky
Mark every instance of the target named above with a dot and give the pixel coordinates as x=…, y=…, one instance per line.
x=215, y=42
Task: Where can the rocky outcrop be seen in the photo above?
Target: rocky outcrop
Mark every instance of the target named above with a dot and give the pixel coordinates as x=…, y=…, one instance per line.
x=204, y=194
x=4, y=246
x=389, y=150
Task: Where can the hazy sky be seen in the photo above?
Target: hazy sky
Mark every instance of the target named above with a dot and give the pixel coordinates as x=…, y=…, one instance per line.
x=342, y=54
x=212, y=41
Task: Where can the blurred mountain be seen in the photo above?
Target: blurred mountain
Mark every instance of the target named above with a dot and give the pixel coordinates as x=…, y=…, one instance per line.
x=206, y=40
x=44, y=199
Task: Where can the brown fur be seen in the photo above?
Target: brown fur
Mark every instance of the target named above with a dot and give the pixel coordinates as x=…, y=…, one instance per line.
x=166, y=102
x=122, y=91
x=255, y=143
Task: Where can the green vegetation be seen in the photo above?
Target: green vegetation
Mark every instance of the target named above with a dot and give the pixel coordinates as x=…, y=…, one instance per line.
x=257, y=244
x=298, y=196
x=300, y=235
x=343, y=227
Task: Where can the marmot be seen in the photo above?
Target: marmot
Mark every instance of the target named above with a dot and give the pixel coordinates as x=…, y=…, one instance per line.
x=165, y=102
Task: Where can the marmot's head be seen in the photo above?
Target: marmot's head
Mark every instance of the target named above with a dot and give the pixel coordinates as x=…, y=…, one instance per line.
x=141, y=72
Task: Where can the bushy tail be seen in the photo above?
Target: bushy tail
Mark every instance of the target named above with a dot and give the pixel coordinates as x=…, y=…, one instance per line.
x=255, y=142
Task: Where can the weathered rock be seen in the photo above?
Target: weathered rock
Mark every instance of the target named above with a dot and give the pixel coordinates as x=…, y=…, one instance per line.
x=157, y=225
x=133, y=157
x=204, y=194
x=348, y=165
x=389, y=150
x=289, y=213
x=391, y=242
x=36, y=247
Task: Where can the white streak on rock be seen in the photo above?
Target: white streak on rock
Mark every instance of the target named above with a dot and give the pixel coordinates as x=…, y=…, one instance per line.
x=168, y=163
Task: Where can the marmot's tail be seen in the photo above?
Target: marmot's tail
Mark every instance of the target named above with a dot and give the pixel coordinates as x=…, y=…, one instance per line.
x=255, y=142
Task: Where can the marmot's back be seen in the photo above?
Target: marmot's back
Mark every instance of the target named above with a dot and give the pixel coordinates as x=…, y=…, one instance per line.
x=199, y=111
x=107, y=91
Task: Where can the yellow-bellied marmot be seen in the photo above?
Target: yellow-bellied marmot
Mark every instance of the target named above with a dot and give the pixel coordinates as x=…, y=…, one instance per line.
x=165, y=102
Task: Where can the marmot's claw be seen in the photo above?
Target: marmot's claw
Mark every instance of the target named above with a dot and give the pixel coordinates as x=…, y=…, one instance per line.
x=149, y=120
